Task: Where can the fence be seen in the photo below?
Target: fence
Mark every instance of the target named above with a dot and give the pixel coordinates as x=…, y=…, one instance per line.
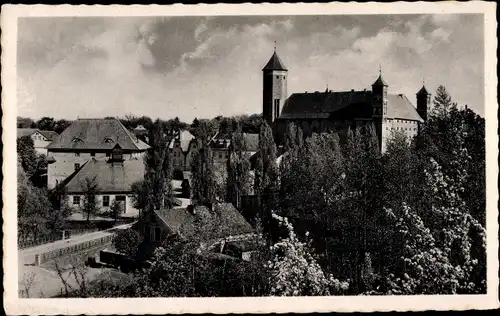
x=64, y=234
x=87, y=245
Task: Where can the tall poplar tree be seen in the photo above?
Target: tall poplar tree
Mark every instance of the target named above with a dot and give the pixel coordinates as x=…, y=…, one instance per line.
x=238, y=168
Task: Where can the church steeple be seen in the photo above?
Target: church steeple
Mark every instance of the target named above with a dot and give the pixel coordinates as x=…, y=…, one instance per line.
x=423, y=102
x=274, y=88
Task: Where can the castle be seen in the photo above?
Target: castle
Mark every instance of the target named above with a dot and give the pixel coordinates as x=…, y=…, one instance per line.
x=327, y=111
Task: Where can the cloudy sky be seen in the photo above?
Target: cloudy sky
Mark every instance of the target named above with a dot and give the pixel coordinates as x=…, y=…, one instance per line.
x=208, y=66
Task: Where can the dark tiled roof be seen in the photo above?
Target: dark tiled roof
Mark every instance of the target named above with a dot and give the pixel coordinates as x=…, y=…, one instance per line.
x=422, y=91
x=111, y=177
x=380, y=81
x=274, y=63
x=227, y=217
x=50, y=135
x=97, y=134
x=318, y=105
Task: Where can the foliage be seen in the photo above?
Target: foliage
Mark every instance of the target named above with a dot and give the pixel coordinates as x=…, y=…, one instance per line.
x=204, y=187
x=294, y=270
x=116, y=209
x=25, y=122
x=90, y=191
x=46, y=123
x=27, y=154
x=127, y=242
x=238, y=169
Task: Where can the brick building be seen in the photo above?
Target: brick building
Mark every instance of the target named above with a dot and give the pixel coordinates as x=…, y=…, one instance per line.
x=338, y=111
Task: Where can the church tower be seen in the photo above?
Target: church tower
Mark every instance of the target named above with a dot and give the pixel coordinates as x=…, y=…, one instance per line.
x=423, y=102
x=379, y=107
x=274, y=88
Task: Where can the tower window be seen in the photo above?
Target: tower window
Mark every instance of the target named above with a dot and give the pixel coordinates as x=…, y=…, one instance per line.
x=277, y=77
x=276, y=108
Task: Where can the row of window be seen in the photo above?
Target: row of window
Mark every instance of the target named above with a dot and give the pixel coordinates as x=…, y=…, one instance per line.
x=92, y=154
x=402, y=128
x=405, y=121
x=38, y=137
x=105, y=200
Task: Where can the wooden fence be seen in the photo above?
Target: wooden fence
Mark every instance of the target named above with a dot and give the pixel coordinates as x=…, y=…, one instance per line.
x=76, y=248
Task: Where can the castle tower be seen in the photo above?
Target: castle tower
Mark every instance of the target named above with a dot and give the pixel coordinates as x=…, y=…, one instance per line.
x=274, y=88
x=423, y=102
x=379, y=107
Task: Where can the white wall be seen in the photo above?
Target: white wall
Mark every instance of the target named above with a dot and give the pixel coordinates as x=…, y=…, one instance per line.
x=130, y=211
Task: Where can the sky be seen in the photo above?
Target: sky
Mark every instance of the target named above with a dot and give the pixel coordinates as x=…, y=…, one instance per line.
x=189, y=67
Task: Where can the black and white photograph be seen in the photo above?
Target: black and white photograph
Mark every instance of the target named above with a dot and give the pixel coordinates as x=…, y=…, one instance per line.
x=271, y=155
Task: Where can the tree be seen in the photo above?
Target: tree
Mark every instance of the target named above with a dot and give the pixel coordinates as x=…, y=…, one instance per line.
x=116, y=209
x=25, y=122
x=61, y=125
x=45, y=124
x=127, y=242
x=155, y=191
x=266, y=169
x=27, y=154
x=442, y=101
x=90, y=191
x=203, y=177
x=294, y=270
x=238, y=169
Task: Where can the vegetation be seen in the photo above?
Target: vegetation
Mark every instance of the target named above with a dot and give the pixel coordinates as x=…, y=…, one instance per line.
x=90, y=191
x=127, y=241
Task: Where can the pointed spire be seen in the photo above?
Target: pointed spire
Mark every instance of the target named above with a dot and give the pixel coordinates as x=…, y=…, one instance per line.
x=275, y=62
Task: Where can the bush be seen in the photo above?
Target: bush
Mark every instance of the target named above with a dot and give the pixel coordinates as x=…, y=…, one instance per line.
x=127, y=242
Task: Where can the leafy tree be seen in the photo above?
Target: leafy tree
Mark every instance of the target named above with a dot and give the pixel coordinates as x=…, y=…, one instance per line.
x=25, y=122
x=294, y=270
x=127, y=242
x=238, y=169
x=116, y=209
x=45, y=124
x=155, y=191
x=442, y=101
x=203, y=177
x=61, y=125
x=266, y=169
x=27, y=154
x=90, y=191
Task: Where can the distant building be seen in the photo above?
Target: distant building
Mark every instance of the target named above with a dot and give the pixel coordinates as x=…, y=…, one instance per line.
x=338, y=111
x=220, y=146
x=41, y=139
x=183, y=147
x=142, y=133
x=187, y=223
x=114, y=179
x=86, y=139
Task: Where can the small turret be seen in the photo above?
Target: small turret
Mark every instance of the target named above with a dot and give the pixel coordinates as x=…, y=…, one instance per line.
x=423, y=102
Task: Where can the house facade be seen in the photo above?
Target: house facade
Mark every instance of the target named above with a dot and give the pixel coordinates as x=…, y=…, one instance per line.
x=183, y=148
x=326, y=111
x=41, y=139
x=220, y=143
x=90, y=139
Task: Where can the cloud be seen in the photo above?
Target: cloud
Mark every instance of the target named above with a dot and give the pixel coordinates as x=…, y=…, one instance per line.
x=203, y=67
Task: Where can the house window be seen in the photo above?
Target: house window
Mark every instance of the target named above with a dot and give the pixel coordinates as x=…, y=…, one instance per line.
x=77, y=154
x=276, y=107
x=77, y=166
x=277, y=77
x=105, y=201
x=76, y=200
x=92, y=154
x=108, y=154
x=220, y=154
x=156, y=233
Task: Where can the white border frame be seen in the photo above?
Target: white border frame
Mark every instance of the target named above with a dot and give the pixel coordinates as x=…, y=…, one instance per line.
x=14, y=305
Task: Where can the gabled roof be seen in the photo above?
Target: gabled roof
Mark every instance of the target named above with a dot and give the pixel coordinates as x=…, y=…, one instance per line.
x=97, y=134
x=111, y=177
x=423, y=91
x=50, y=135
x=320, y=105
x=227, y=217
x=274, y=63
x=251, y=140
x=185, y=138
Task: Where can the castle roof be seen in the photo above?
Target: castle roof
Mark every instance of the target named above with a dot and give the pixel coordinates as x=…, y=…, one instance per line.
x=423, y=91
x=110, y=177
x=322, y=105
x=380, y=81
x=94, y=134
x=275, y=63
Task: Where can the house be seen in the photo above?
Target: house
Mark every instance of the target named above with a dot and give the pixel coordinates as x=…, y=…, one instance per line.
x=220, y=143
x=141, y=132
x=183, y=147
x=327, y=111
x=208, y=227
x=86, y=139
x=114, y=179
x=41, y=139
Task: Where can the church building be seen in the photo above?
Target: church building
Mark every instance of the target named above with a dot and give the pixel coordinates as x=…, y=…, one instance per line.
x=336, y=111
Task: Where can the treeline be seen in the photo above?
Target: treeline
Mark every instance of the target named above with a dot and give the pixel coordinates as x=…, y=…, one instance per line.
x=198, y=127
x=337, y=215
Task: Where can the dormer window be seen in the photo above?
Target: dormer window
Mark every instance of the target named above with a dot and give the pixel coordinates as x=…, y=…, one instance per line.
x=108, y=140
x=77, y=140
